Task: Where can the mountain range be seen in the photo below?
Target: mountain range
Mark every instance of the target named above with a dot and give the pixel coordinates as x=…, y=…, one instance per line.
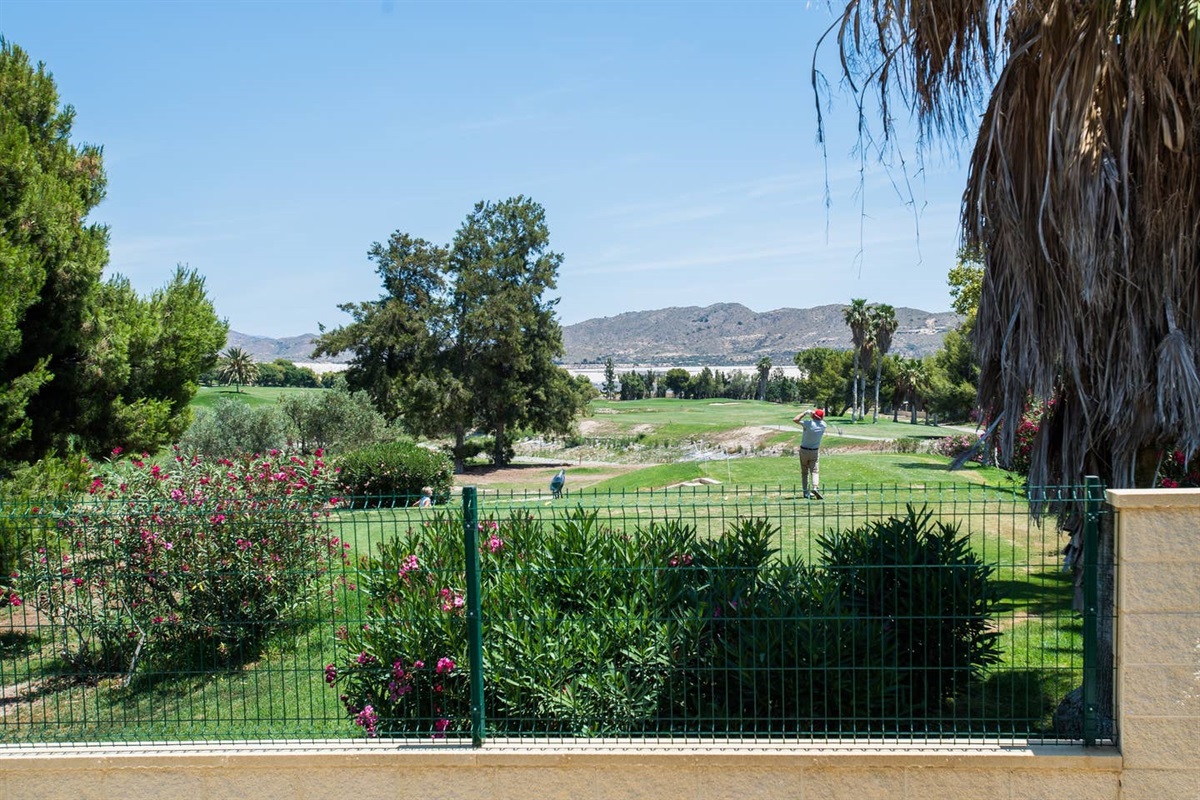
x=723, y=333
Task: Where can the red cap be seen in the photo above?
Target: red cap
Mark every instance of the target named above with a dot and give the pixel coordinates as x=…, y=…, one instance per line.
x=819, y=413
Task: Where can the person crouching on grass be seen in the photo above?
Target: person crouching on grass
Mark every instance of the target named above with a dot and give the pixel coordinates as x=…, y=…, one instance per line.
x=810, y=447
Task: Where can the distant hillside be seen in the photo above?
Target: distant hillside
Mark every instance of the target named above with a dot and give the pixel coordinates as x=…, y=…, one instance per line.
x=294, y=348
x=729, y=333
x=725, y=334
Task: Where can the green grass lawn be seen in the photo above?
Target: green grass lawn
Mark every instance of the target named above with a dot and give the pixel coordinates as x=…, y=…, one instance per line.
x=662, y=419
x=207, y=396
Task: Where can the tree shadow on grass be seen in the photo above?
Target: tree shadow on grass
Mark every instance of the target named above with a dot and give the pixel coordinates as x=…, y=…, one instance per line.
x=1016, y=702
x=15, y=644
x=1043, y=593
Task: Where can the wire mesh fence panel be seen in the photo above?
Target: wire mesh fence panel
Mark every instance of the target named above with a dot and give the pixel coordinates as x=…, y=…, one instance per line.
x=885, y=613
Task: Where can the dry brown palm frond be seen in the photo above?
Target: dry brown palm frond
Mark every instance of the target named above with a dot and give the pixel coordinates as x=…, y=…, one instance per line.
x=1084, y=194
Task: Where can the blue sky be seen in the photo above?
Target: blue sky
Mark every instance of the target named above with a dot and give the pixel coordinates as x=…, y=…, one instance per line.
x=672, y=144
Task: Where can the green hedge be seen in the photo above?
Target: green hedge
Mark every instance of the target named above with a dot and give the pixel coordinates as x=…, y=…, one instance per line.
x=393, y=473
x=593, y=633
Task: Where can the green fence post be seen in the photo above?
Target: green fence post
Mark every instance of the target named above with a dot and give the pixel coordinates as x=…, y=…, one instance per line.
x=1091, y=602
x=474, y=611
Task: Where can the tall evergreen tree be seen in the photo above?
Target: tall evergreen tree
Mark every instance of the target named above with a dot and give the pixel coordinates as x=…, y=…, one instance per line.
x=50, y=257
x=81, y=362
x=463, y=337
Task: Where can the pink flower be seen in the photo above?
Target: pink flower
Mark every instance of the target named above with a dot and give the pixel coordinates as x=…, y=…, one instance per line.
x=440, y=727
x=14, y=600
x=331, y=674
x=444, y=665
x=367, y=719
x=495, y=544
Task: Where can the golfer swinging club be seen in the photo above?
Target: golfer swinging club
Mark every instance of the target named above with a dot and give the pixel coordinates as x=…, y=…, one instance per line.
x=810, y=445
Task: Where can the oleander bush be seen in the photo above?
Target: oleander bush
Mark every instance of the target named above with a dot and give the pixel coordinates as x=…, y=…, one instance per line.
x=24, y=495
x=588, y=631
x=194, y=563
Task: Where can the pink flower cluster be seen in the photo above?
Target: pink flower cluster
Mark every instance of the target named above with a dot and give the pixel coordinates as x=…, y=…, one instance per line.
x=409, y=564
x=368, y=720
x=451, y=600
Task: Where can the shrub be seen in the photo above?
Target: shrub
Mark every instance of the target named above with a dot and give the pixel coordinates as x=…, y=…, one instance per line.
x=394, y=470
x=196, y=562
x=592, y=632
x=908, y=444
x=955, y=446
x=232, y=427
x=476, y=446
x=932, y=595
x=333, y=421
x=28, y=492
x=1176, y=471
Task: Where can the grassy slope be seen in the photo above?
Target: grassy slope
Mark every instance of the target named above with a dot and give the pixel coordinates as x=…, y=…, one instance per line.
x=207, y=396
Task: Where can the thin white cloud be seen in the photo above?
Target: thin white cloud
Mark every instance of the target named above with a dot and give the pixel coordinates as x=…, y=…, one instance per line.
x=707, y=259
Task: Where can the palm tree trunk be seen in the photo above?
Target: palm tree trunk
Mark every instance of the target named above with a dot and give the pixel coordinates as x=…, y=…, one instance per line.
x=854, y=405
x=878, y=375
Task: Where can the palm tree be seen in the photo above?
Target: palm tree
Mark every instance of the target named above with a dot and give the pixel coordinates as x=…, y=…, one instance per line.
x=238, y=368
x=1080, y=197
x=912, y=381
x=883, y=325
x=858, y=319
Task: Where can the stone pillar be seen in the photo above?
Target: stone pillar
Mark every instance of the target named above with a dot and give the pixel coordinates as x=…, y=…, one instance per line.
x=1158, y=642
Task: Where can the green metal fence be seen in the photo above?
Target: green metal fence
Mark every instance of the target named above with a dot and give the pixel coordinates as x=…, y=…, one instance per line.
x=692, y=613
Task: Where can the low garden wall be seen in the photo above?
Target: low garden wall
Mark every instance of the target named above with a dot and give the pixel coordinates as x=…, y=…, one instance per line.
x=1158, y=729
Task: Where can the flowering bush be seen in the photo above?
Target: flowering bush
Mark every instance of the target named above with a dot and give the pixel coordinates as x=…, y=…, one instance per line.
x=1175, y=471
x=955, y=446
x=590, y=631
x=558, y=635
x=196, y=560
x=23, y=497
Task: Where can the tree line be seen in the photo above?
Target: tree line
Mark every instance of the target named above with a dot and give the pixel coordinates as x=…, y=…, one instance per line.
x=944, y=384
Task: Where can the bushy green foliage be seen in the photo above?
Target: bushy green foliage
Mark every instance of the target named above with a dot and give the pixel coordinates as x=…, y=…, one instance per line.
x=394, y=470
x=591, y=632
x=282, y=372
x=933, y=595
x=23, y=498
x=231, y=427
x=334, y=421
x=195, y=563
